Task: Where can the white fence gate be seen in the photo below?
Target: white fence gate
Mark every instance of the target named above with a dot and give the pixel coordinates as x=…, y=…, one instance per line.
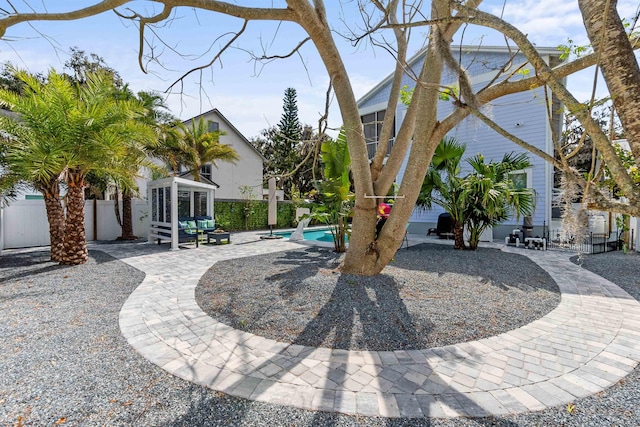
x=24, y=223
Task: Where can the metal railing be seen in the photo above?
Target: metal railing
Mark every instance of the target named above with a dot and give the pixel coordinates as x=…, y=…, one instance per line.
x=592, y=243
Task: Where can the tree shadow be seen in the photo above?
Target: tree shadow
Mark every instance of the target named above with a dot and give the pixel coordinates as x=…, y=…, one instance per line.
x=491, y=266
x=374, y=305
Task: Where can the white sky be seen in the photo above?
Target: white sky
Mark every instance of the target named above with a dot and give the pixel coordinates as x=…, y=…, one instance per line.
x=248, y=95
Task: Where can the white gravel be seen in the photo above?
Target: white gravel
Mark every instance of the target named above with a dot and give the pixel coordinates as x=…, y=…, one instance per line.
x=63, y=359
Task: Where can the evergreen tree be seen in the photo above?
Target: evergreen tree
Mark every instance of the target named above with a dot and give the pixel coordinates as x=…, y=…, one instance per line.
x=288, y=140
x=281, y=144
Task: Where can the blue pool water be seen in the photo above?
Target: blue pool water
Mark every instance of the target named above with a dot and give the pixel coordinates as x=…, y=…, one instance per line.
x=320, y=234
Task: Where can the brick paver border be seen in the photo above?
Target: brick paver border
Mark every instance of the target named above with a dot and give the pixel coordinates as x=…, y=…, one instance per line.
x=588, y=343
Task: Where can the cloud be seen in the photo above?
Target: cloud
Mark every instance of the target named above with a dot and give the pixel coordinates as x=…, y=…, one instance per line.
x=546, y=22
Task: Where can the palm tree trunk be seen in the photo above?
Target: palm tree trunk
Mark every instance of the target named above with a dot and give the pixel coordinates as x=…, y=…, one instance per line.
x=474, y=238
x=75, y=242
x=55, y=216
x=458, y=235
x=127, y=221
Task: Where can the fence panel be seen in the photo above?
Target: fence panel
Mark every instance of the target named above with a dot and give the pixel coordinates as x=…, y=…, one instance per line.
x=592, y=243
x=24, y=222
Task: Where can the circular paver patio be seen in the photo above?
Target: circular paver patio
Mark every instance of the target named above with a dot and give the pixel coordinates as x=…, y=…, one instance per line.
x=588, y=343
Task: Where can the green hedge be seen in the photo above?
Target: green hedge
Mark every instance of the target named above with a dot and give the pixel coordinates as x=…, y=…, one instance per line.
x=230, y=215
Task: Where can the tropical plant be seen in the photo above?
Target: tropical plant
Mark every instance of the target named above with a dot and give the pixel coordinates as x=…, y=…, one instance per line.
x=443, y=186
x=335, y=190
x=33, y=146
x=137, y=155
x=491, y=195
x=483, y=198
x=200, y=146
x=69, y=131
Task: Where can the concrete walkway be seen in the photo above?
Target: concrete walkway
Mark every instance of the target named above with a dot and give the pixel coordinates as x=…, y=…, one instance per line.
x=588, y=343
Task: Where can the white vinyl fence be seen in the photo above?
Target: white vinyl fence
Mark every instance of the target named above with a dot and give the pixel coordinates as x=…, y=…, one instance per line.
x=24, y=223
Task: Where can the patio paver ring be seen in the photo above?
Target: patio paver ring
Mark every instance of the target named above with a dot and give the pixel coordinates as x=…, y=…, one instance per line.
x=589, y=342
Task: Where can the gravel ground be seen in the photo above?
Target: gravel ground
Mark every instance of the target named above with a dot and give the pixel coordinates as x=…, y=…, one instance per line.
x=63, y=360
x=430, y=296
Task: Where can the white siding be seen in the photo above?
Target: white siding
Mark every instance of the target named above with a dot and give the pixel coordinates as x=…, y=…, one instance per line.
x=247, y=171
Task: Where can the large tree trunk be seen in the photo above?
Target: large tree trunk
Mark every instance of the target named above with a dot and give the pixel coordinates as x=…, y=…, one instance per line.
x=127, y=220
x=55, y=216
x=366, y=255
x=75, y=242
x=618, y=64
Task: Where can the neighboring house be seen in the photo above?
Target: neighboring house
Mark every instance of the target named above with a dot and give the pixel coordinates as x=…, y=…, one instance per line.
x=522, y=114
x=229, y=177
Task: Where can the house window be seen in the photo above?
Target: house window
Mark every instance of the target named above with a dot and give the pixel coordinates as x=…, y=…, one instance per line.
x=521, y=179
x=206, y=172
x=213, y=126
x=372, y=128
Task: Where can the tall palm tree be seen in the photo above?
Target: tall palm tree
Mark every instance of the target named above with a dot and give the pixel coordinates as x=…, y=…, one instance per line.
x=104, y=133
x=201, y=146
x=137, y=155
x=33, y=150
x=69, y=131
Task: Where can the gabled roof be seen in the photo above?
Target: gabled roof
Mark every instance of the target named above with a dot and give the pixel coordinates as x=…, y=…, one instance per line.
x=230, y=125
x=188, y=175
x=415, y=58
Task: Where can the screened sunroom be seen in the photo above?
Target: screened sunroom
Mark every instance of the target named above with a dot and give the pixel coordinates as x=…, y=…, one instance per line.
x=174, y=198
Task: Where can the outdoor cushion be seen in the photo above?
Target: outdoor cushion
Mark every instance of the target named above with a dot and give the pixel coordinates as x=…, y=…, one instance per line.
x=202, y=224
x=211, y=223
x=191, y=224
x=182, y=224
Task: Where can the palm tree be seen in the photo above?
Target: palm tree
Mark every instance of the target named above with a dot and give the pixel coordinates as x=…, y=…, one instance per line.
x=69, y=131
x=443, y=186
x=201, y=146
x=33, y=150
x=491, y=195
x=484, y=198
x=137, y=155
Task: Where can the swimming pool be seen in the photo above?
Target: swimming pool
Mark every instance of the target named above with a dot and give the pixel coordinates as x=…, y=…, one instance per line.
x=316, y=234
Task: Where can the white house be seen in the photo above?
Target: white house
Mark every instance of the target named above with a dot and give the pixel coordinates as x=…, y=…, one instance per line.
x=228, y=177
x=523, y=114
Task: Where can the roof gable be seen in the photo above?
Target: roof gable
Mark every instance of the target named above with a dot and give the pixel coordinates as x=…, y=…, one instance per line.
x=475, y=59
x=229, y=125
